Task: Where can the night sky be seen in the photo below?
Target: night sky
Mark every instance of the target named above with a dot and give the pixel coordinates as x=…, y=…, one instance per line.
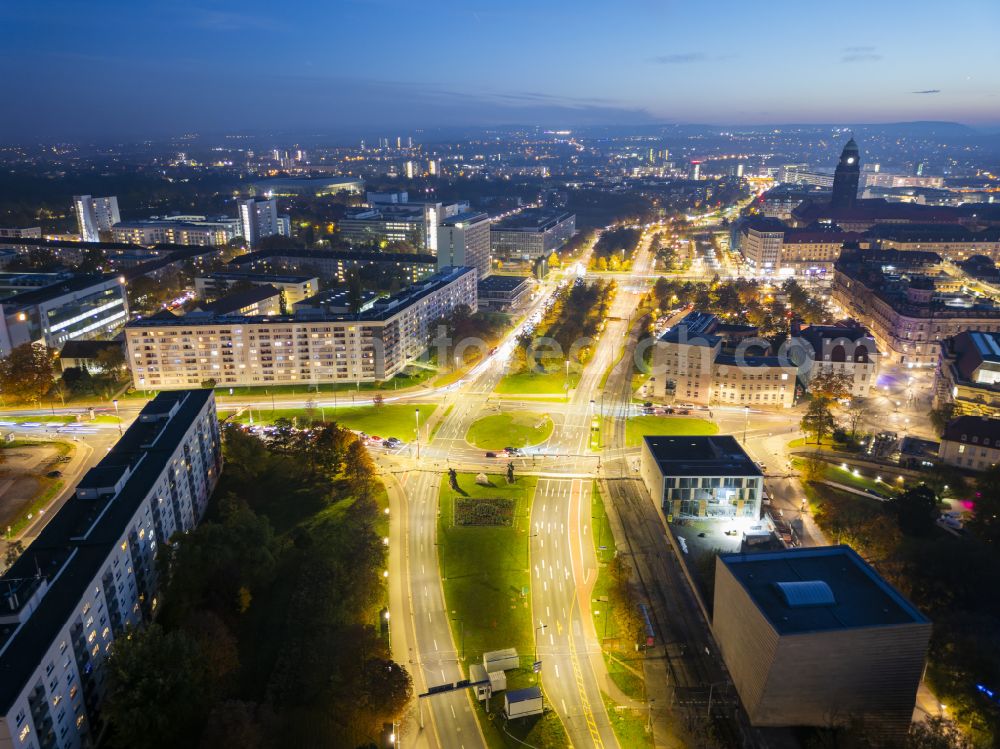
x=140, y=67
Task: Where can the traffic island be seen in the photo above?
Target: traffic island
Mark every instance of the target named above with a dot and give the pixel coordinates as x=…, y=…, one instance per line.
x=514, y=429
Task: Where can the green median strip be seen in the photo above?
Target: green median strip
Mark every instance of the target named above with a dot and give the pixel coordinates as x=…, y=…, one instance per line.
x=483, y=560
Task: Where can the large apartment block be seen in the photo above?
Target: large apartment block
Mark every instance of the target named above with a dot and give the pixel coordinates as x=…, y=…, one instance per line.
x=198, y=231
x=335, y=264
x=311, y=346
x=90, y=574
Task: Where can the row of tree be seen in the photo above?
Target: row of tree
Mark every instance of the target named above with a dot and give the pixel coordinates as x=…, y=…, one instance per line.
x=30, y=374
x=267, y=632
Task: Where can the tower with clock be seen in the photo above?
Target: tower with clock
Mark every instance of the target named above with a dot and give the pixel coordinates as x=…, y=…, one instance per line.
x=846, y=177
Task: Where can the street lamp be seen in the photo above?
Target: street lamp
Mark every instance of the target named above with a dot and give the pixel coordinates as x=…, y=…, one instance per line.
x=461, y=623
x=118, y=416
x=746, y=422
x=539, y=628
x=416, y=414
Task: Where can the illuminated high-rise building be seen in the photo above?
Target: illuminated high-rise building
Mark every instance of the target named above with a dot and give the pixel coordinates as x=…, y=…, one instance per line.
x=94, y=215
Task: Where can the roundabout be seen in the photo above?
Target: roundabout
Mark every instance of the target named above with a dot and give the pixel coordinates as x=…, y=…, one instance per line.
x=519, y=429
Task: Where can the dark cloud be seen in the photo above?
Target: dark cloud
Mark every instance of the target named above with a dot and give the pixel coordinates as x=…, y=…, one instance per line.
x=860, y=54
x=927, y=91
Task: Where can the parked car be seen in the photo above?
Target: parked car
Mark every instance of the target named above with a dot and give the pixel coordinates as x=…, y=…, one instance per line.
x=54, y=474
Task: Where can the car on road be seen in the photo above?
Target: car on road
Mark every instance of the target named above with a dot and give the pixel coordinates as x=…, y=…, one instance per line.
x=54, y=474
x=393, y=442
x=375, y=438
x=491, y=455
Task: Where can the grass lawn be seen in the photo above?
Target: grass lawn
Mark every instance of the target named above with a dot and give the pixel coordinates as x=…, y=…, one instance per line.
x=409, y=377
x=629, y=725
x=514, y=429
x=552, y=380
x=48, y=489
x=864, y=480
x=390, y=420
x=640, y=426
x=485, y=578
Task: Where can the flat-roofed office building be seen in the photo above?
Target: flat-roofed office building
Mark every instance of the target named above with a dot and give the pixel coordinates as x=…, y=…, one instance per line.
x=53, y=308
x=531, y=234
x=91, y=573
x=701, y=477
x=816, y=637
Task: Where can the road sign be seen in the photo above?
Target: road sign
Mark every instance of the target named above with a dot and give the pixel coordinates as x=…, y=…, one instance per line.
x=536, y=666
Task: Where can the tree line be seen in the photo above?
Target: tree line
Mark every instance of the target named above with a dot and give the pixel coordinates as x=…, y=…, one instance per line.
x=267, y=634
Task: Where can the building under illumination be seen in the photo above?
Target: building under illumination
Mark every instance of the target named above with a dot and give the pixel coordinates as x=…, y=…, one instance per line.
x=94, y=215
x=91, y=573
x=53, y=308
x=464, y=240
x=316, y=344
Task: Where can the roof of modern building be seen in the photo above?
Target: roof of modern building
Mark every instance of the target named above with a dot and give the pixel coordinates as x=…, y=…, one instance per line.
x=382, y=310
x=719, y=455
x=532, y=220
x=70, y=551
x=55, y=244
x=346, y=255
x=764, y=224
x=87, y=349
x=240, y=299
x=973, y=348
x=466, y=217
x=502, y=283
x=819, y=589
x=65, y=284
x=695, y=328
x=978, y=429
x=239, y=275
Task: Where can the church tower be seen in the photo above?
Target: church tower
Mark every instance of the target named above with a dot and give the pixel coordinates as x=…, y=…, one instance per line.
x=846, y=177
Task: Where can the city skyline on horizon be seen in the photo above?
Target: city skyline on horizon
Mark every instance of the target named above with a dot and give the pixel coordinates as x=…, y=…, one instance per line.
x=120, y=70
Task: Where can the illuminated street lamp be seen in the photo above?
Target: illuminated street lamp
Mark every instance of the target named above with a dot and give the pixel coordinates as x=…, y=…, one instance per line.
x=118, y=416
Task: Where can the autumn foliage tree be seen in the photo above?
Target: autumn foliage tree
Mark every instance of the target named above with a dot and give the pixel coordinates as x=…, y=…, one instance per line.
x=28, y=372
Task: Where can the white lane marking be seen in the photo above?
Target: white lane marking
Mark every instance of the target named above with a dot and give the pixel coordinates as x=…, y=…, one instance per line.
x=557, y=670
x=435, y=644
x=548, y=612
x=552, y=639
x=453, y=712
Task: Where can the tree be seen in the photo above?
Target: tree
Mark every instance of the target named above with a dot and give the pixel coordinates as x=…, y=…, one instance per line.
x=510, y=472
x=112, y=359
x=28, y=372
x=14, y=550
x=985, y=521
x=232, y=725
x=941, y=415
x=818, y=419
x=814, y=468
x=936, y=733
x=157, y=684
x=359, y=468
x=916, y=510
x=831, y=385
x=453, y=479
x=856, y=411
